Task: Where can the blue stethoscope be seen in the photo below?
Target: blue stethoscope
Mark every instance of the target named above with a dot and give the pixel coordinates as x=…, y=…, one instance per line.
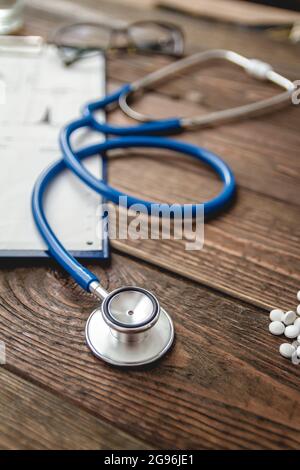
x=130, y=328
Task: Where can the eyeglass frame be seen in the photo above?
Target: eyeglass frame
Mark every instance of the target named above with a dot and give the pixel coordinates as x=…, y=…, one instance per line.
x=176, y=34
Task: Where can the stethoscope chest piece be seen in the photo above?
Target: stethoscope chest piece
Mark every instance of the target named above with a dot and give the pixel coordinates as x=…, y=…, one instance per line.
x=130, y=328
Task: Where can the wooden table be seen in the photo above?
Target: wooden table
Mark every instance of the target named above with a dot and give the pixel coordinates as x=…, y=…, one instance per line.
x=224, y=385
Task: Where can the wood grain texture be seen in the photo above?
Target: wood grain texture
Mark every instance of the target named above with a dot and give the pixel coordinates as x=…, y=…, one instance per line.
x=34, y=418
x=41, y=18
x=234, y=11
x=222, y=386
x=265, y=157
x=257, y=239
x=251, y=251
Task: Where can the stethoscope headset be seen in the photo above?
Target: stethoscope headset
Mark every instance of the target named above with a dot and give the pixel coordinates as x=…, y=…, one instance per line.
x=130, y=328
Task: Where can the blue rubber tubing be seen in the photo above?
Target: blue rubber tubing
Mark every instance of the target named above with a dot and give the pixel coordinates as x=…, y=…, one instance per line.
x=81, y=274
x=163, y=126
x=73, y=162
x=73, y=159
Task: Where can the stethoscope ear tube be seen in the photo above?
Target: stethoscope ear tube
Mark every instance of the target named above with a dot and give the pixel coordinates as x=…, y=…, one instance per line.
x=163, y=126
x=255, y=68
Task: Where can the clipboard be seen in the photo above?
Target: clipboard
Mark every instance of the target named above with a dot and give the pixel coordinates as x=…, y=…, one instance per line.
x=39, y=95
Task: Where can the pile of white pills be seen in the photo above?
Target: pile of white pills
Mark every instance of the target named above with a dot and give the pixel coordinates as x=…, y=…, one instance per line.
x=287, y=323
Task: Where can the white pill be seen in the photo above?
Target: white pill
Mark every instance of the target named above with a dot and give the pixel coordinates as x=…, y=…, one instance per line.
x=292, y=331
x=298, y=309
x=298, y=295
x=277, y=328
x=286, y=350
x=298, y=351
x=295, y=358
x=289, y=317
x=297, y=322
x=276, y=315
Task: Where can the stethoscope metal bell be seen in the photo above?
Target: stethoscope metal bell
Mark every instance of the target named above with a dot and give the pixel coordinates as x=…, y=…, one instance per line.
x=130, y=328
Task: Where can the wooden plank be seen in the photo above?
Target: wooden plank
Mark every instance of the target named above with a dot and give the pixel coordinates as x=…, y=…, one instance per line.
x=233, y=11
x=223, y=385
x=42, y=17
x=250, y=253
x=34, y=418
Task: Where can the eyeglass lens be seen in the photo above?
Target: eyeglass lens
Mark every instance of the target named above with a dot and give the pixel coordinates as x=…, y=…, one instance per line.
x=90, y=37
x=151, y=36
x=85, y=35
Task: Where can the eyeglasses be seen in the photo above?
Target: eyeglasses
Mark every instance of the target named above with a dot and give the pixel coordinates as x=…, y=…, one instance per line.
x=79, y=40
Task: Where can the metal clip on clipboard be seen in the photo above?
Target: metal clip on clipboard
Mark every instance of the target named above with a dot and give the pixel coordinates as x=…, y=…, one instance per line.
x=21, y=44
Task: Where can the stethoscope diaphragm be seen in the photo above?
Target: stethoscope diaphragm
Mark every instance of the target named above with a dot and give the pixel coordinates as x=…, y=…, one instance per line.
x=130, y=328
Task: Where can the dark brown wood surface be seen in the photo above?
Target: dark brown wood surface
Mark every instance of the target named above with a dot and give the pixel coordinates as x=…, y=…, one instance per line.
x=224, y=385
x=31, y=417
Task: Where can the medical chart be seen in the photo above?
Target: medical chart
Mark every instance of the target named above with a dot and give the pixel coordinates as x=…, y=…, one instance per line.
x=39, y=95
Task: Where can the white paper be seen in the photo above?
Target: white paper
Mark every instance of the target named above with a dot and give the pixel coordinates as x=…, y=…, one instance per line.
x=41, y=96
